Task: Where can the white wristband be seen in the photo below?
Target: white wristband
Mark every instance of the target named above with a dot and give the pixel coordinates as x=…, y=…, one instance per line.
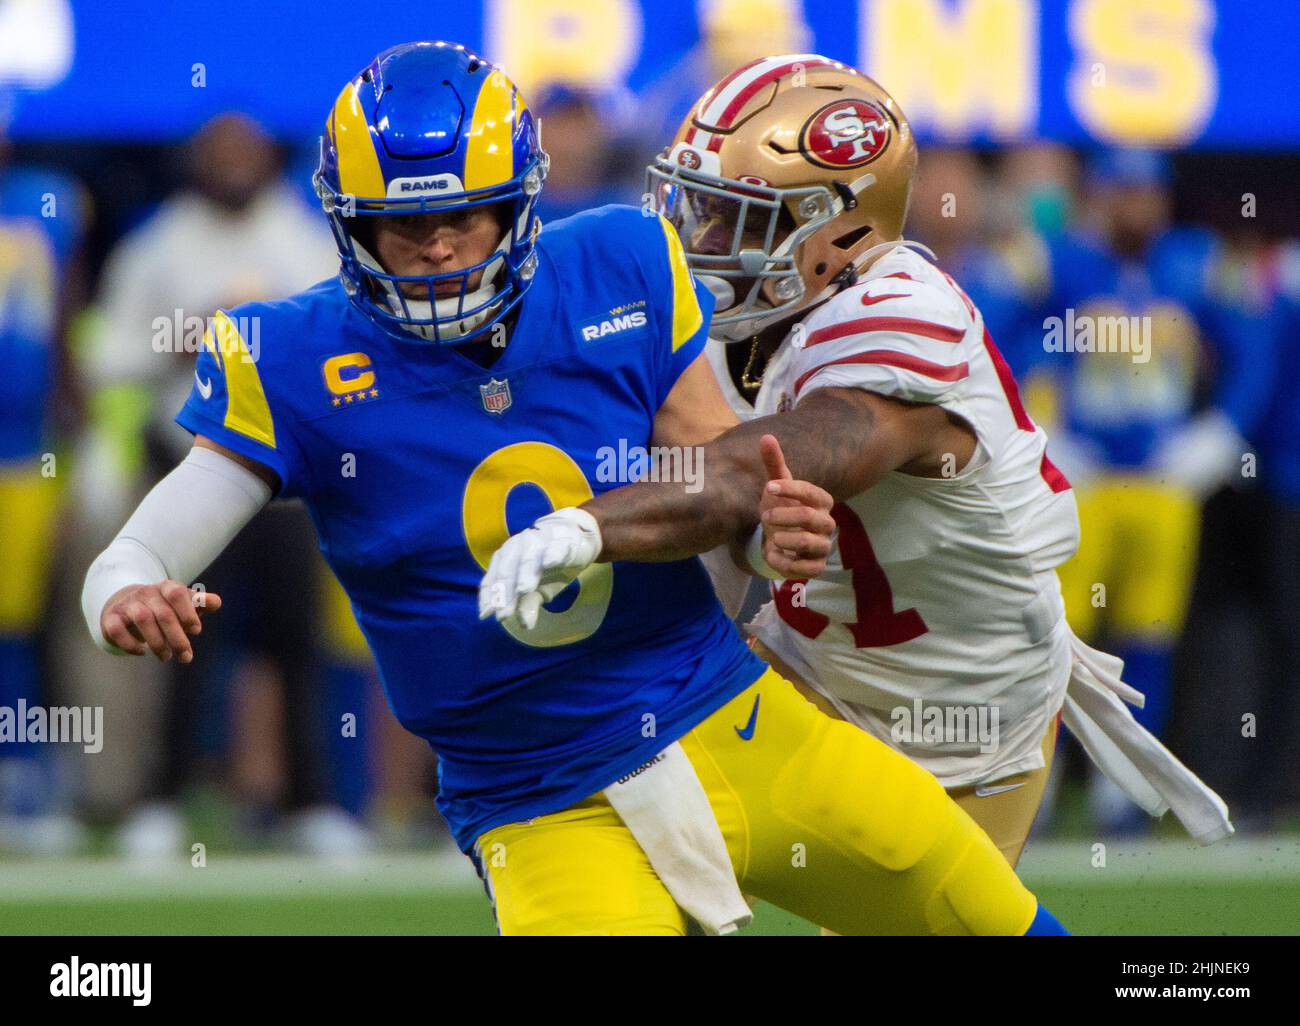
x=125, y=562
x=754, y=556
x=161, y=541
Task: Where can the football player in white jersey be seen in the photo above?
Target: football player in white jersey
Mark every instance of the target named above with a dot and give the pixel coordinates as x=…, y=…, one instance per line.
x=938, y=625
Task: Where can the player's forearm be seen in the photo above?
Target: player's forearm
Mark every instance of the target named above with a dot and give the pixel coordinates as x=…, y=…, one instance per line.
x=661, y=521
x=832, y=441
x=179, y=528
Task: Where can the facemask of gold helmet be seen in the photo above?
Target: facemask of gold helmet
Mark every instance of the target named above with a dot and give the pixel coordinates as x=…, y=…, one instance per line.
x=781, y=181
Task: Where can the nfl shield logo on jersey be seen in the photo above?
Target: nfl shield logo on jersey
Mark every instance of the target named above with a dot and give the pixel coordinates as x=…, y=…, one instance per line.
x=496, y=396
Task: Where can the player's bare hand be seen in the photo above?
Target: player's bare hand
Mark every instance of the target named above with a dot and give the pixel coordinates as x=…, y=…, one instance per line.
x=159, y=618
x=798, y=529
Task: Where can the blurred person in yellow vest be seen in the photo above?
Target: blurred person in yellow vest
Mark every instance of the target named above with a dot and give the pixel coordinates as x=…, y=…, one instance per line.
x=239, y=232
x=43, y=217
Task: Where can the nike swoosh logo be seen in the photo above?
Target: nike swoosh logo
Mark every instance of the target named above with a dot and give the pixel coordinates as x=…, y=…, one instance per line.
x=748, y=732
x=205, y=387
x=988, y=792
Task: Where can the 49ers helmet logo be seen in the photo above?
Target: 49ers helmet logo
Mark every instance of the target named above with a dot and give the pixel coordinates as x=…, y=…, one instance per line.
x=846, y=133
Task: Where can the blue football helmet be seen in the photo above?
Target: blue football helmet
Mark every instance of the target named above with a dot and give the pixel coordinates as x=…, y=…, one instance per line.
x=432, y=128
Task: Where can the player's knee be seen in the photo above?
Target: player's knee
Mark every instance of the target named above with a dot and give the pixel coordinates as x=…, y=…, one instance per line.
x=980, y=894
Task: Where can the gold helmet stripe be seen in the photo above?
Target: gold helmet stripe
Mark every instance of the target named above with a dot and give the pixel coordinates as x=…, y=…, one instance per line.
x=489, y=156
x=359, y=173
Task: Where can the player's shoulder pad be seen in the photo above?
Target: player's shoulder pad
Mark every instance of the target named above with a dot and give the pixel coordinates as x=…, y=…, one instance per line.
x=257, y=364
x=893, y=296
x=901, y=331
x=277, y=334
x=634, y=254
x=620, y=237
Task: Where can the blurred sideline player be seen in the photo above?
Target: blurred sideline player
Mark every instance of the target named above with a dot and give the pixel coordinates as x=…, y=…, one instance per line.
x=1146, y=434
x=1248, y=576
x=582, y=154
x=238, y=232
x=789, y=185
x=461, y=376
x=43, y=215
x=732, y=33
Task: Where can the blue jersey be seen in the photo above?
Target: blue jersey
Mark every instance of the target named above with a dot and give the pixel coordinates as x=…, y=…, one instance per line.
x=1199, y=346
x=41, y=220
x=1276, y=436
x=416, y=463
x=1006, y=282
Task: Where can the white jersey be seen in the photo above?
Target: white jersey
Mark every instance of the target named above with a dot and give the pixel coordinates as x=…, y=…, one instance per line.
x=938, y=625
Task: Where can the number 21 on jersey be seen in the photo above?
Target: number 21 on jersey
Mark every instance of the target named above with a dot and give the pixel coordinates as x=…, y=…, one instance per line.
x=877, y=622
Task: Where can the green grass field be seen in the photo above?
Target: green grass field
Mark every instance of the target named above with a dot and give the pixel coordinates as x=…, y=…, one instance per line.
x=1237, y=887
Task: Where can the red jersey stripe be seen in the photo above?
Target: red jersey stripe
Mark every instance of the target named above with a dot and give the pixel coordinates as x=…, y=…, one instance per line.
x=904, y=361
x=1056, y=481
x=904, y=325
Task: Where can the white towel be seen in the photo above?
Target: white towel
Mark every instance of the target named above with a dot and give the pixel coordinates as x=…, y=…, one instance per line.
x=1128, y=754
x=664, y=805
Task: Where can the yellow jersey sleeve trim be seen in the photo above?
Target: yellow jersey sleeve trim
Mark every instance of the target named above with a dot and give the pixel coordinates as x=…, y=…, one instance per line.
x=359, y=172
x=489, y=157
x=687, y=315
x=247, y=411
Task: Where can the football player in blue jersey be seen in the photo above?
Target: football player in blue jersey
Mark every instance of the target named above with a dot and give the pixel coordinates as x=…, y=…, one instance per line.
x=42, y=218
x=1154, y=380
x=626, y=761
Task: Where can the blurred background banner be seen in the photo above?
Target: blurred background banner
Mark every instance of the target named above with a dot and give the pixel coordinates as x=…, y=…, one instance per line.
x=1206, y=73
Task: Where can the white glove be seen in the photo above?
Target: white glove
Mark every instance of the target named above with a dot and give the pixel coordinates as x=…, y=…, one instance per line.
x=1201, y=456
x=535, y=565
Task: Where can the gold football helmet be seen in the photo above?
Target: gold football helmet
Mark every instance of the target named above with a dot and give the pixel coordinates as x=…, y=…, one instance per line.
x=780, y=181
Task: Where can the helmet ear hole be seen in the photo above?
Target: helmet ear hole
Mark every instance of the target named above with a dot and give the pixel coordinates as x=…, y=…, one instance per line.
x=850, y=239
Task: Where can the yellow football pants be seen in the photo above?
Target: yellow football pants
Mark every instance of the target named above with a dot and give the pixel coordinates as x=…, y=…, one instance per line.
x=1006, y=816
x=28, y=513
x=1136, y=561
x=819, y=818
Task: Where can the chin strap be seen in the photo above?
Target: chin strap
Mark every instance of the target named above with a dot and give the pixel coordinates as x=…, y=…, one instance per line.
x=446, y=309
x=443, y=309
